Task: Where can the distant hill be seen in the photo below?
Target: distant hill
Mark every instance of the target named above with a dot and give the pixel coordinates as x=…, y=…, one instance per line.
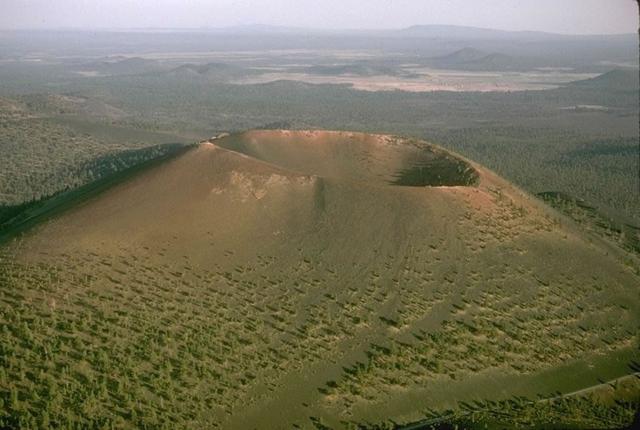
x=122, y=66
x=498, y=61
x=353, y=69
x=617, y=79
x=211, y=70
x=464, y=32
x=73, y=104
x=463, y=55
x=475, y=59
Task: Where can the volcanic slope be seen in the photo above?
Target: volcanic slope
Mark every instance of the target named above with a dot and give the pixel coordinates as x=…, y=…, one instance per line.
x=273, y=279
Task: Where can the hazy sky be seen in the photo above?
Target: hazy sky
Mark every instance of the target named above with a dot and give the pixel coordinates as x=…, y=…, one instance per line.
x=560, y=16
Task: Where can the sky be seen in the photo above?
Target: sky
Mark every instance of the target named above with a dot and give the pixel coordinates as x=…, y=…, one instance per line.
x=556, y=16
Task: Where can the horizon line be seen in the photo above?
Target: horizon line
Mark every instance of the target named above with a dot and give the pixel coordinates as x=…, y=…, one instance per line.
x=259, y=27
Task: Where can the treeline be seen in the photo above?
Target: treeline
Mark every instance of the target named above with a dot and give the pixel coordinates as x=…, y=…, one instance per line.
x=602, y=171
x=93, y=176
x=42, y=157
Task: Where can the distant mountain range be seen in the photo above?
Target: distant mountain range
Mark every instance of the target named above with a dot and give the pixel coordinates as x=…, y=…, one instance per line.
x=419, y=31
x=463, y=32
x=433, y=31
